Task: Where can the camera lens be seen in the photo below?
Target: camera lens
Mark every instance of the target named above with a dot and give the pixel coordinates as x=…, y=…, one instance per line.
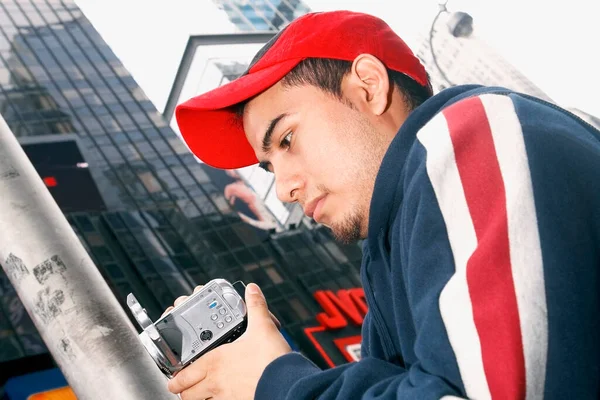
x=206, y=335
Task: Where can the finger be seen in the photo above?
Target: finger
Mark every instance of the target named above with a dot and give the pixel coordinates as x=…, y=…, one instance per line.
x=258, y=312
x=193, y=375
x=198, y=392
x=198, y=288
x=180, y=300
x=275, y=320
x=167, y=311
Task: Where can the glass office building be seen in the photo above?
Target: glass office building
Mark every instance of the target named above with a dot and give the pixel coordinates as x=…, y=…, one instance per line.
x=155, y=221
x=262, y=15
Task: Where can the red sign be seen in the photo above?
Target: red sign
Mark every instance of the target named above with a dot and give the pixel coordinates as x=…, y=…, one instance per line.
x=50, y=181
x=344, y=313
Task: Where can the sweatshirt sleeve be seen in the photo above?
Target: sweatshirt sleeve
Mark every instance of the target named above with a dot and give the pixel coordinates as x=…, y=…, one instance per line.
x=514, y=182
x=463, y=198
x=293, y=377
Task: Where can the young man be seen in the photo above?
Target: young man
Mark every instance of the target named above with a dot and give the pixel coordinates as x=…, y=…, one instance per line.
x=480, y=208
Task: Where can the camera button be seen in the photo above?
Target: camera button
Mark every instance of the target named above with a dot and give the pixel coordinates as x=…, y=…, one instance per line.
x=214, y=317
x=228, y=318
x=206, y=335
x=220, y=325
x=223, y=311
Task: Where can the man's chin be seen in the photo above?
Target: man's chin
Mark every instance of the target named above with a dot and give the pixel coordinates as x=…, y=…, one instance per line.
x=346, y=234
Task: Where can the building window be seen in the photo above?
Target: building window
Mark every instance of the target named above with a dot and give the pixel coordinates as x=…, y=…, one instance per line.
x=150, y=182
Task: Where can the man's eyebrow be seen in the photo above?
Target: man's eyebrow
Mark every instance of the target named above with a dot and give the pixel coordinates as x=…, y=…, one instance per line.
x=266, y=142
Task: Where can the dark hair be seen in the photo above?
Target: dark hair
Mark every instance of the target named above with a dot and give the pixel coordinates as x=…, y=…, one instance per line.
x=327, y=75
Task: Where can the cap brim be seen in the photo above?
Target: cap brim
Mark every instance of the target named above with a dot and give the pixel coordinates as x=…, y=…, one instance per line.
x=212, y=129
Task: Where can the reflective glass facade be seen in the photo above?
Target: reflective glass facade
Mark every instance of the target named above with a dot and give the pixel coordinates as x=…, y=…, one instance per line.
x=158, y=223
x=262, y=15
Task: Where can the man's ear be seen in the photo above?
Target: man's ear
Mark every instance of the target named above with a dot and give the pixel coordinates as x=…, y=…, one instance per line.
x=369, y=84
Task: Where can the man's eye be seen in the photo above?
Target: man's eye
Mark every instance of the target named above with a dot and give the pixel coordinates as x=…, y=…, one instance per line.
x=287, y=141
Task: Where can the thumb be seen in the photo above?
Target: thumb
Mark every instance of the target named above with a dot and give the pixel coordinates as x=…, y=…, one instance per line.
x=258, y=312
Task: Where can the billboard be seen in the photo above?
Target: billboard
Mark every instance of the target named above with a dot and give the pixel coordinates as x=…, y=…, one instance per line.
x=210, y=61
x=243, y=200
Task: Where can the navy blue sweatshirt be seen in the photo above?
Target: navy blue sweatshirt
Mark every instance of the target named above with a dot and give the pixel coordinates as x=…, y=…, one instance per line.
x=481, y=267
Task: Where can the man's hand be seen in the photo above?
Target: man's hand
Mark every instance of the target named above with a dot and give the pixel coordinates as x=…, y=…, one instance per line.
x=232, y=371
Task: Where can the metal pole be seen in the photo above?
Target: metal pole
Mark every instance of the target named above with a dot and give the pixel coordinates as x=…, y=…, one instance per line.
x=81, y=322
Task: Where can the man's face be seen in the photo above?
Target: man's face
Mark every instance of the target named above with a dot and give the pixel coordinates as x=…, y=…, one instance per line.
x=325, y=154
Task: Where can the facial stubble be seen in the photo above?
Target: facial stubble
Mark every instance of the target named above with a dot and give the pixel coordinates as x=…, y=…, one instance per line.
x=353, y=227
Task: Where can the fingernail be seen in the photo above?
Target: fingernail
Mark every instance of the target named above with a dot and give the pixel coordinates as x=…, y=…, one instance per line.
x=253, y=288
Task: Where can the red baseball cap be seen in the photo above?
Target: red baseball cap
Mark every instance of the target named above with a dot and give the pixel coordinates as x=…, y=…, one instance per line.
x=214, y=131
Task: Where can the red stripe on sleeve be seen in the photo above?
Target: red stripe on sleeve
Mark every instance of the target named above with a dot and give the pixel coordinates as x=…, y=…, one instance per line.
x=489, y=274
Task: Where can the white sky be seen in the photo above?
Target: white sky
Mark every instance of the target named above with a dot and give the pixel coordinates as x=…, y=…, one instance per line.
x=554, y=45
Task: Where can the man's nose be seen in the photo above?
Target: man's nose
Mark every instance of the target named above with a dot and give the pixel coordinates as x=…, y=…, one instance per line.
x=288, y=187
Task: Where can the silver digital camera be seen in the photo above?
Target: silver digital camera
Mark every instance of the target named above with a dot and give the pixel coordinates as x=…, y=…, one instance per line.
x=214, y=315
